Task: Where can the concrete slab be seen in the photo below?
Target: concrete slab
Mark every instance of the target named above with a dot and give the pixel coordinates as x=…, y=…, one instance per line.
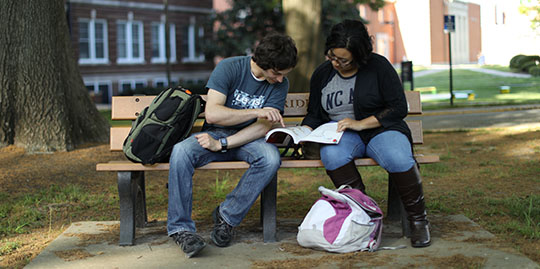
x=457, y=242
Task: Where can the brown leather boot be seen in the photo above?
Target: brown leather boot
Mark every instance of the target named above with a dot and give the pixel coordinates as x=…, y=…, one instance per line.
x=347, y=175
x=409, y=187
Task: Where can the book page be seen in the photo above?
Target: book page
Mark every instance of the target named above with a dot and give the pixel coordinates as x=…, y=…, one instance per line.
x=326, y=134
x=296, y=132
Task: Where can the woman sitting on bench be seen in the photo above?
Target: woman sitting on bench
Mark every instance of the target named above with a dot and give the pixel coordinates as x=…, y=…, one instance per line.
x=361, y=91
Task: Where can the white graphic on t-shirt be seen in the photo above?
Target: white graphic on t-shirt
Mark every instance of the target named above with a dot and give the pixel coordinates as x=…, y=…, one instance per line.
x=246, y=101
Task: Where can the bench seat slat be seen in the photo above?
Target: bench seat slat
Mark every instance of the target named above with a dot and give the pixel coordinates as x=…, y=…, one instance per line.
x=130, y=166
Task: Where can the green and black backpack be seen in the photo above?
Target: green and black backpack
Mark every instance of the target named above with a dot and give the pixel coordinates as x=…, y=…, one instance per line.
x=165, y=122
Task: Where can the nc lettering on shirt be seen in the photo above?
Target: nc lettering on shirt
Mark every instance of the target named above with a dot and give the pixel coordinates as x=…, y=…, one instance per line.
x=335, y=99
x=244, y=100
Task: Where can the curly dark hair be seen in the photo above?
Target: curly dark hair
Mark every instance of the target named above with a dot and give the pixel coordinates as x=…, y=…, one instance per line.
x=353, y=36
x=276, y=51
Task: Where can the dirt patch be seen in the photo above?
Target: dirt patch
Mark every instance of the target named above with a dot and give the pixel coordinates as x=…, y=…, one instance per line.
x=445, y=228
x=295, y=249
x=348, y=260
x=457, y=261
x=73, y=254
x=110, y=235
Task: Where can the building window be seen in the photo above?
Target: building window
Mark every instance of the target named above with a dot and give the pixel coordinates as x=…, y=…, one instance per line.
x=132, y=84
x=362, y=12
x=130, y=43
x=380, y=15
x=162, y=83
x=93, y=41
x=382, y=44
x=158, y=42
x=192, y=36
x=99, y=91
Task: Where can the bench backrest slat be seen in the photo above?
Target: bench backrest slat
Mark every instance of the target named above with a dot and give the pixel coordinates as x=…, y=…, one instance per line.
x=119, y=134
x=129, y=107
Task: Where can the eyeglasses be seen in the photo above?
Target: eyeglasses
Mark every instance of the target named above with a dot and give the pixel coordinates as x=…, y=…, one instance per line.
x=340, y=61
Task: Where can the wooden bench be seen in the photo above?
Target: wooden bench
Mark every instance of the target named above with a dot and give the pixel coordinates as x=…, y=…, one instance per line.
x=430, y=89
x=131, y=182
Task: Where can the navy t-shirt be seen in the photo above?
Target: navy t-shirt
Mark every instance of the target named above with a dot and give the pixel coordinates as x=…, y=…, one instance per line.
x=233, y=77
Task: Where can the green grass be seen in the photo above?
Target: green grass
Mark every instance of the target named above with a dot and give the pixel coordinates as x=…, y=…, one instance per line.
x=486, y=88
x=22, y=213
x=497, y=67
x=8, y=247
x=523, y=211
x=107, y=115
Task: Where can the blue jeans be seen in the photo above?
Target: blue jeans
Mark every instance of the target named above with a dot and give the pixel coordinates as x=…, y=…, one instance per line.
x=390, y=149
x=264, y=161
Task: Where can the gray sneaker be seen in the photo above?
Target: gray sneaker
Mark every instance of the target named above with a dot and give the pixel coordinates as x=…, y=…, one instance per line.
x=223, y=233
x=190, y=242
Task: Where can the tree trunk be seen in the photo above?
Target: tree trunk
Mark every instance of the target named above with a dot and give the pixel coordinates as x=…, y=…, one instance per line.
x=303, y=24
x=44, y=105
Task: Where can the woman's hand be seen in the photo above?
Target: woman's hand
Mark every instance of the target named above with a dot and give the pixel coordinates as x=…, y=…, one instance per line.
x=349, y=124
x=358, y=125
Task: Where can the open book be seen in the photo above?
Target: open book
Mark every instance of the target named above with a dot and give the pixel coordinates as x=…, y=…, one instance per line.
x=326, y=134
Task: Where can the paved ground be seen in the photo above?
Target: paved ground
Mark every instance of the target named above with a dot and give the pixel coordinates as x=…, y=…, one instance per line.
x=457, y=242
x=476, y=68
x=524, y=116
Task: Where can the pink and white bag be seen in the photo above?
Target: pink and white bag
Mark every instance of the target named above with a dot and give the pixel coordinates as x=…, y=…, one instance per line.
x=342, y=220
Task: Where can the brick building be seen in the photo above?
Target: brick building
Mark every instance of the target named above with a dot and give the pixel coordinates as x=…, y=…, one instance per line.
x=414, y=30
x=120, y=44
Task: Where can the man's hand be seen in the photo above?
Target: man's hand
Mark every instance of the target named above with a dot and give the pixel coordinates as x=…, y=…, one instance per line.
x=272, y=115
x=208, y=142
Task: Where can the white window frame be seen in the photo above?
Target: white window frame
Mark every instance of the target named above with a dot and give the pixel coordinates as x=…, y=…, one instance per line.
x=362, y=11
x=92, y=42
x=382, y=44
x=131, y=83
x=158, y=80
x=164, y=81
x=128, y=25
x=191, y=57
x=161, y=43
x=380, y=16
x=98, y=83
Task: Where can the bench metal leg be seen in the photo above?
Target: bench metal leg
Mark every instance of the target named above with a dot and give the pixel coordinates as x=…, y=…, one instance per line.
x=396, y=210
x=132, y=195
x=268, y=211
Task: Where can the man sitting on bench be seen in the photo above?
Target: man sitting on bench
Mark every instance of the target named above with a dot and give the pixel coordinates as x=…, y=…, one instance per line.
x=246, y=96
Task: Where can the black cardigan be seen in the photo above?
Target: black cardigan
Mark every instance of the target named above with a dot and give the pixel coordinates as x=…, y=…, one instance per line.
x=377, y=92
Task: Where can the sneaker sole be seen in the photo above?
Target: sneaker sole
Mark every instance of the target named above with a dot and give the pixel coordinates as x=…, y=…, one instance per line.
x=195, y=252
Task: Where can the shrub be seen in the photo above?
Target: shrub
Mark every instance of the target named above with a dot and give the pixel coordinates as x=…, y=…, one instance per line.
x=535, y=71
x=522, y=63
x=529, y=62
x=514, y=62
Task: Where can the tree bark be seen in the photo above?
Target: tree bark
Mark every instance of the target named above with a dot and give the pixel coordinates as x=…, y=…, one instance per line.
x=303, y=24
x=44, y=105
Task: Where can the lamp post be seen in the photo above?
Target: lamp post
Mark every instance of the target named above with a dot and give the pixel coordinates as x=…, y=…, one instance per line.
x=449, y=27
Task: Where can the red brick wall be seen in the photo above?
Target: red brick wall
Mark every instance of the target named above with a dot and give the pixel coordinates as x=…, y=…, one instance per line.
x=475, y=32
x=111, y=14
